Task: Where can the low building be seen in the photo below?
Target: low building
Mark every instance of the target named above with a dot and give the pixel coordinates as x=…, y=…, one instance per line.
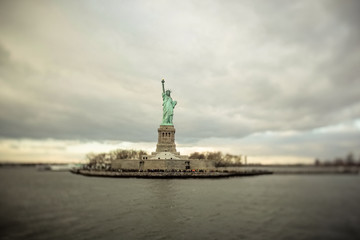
x=166, y=158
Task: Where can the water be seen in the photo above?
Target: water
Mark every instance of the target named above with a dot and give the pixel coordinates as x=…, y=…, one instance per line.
x=61, y=205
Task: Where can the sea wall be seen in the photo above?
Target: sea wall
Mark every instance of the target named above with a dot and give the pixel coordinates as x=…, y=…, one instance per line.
x=167, y=174
x=201, y=164
x=125, y=164
x=163, y=164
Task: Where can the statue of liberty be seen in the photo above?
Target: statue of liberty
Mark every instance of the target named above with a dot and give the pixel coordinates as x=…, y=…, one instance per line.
x=168, y=106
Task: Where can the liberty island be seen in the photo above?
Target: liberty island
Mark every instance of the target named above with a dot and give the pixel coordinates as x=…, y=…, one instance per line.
x=166, y=161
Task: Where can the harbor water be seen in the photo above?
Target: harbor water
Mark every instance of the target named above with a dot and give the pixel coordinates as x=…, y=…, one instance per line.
x=60, y=205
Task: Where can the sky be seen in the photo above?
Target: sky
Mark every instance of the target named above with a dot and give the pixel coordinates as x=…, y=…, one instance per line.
x=277, y=81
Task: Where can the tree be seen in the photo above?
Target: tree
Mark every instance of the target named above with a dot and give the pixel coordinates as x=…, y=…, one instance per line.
x=237, y=160
x=338, y=162
x=219, y=158
x=195, y=155
x=349, y=159
x=213, y=155
x=317, y=162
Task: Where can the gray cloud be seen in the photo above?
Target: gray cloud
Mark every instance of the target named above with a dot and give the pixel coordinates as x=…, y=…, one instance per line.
x=85, y=70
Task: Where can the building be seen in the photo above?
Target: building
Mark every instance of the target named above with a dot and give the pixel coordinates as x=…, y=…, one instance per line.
x=166, y=158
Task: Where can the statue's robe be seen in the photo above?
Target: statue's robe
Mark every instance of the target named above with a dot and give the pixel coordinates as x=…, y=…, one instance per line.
x=168, y=109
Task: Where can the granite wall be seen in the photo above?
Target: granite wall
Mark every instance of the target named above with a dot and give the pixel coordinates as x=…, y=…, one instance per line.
x=163, y=164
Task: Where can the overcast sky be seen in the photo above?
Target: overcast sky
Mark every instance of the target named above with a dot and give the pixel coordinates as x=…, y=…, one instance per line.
x=275, y=80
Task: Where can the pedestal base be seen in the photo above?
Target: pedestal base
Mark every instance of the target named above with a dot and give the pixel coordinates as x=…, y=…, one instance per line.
x=166, y=139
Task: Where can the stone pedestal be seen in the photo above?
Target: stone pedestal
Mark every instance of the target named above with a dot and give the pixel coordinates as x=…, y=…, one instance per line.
x=166, y=139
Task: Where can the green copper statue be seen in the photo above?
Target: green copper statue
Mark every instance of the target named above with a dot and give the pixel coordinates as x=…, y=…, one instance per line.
x=168, y=106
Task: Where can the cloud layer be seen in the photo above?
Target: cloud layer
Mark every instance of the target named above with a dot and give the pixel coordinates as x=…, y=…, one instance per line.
x=91, y=71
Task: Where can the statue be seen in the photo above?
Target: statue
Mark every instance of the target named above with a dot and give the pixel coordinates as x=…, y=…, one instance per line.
x=168, y=106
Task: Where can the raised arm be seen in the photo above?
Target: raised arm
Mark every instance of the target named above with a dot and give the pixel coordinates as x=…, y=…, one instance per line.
x=163, y=88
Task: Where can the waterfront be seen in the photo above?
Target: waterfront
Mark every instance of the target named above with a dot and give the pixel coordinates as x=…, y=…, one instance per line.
x=61, y=205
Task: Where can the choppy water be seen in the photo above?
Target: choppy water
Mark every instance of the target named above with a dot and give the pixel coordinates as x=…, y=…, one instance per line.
x=60, y=205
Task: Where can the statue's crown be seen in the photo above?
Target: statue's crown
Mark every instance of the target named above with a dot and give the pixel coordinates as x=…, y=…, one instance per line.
x=168, y=90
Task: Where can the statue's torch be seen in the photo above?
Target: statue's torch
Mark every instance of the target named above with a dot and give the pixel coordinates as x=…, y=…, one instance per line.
x=163, y=87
